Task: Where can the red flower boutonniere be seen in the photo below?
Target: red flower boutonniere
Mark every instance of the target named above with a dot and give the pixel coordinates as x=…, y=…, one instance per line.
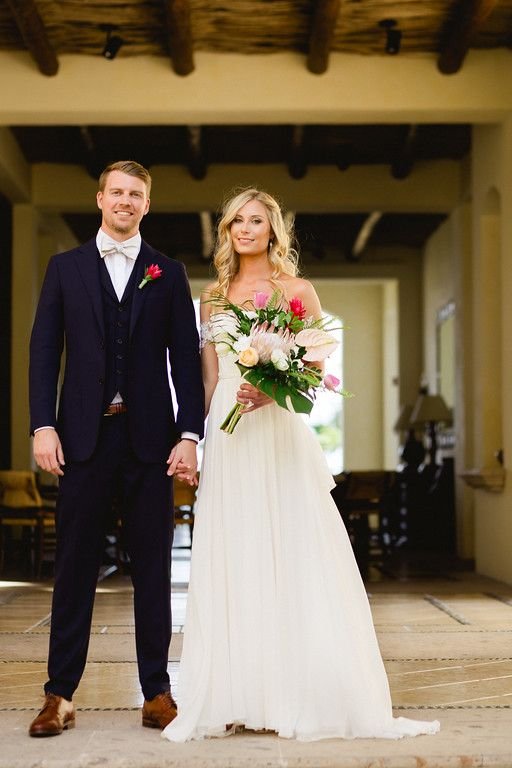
x=153, y=272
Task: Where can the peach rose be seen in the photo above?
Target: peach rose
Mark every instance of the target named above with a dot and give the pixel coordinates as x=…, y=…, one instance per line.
x=248, y=357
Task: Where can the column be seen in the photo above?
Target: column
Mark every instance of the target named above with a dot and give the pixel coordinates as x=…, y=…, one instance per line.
x=25, y=288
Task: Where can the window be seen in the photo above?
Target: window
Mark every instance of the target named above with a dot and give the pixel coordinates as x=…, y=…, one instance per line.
x=326, y=418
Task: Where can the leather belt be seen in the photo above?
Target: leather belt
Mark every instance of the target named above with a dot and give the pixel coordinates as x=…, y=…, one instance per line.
x=115, y=408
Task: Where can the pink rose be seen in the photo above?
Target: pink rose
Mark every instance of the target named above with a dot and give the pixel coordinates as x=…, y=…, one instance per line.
x=260, y=300
x=298, y=308
x=331, y=382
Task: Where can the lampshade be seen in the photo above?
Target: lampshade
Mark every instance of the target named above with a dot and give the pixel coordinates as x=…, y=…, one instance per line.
x=403, y=423
x=430, y=408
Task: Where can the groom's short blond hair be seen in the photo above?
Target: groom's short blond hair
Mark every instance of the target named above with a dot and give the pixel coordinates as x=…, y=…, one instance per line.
x=130, y=167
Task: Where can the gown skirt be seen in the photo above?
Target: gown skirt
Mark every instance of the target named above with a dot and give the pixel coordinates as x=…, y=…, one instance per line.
x=278, y=630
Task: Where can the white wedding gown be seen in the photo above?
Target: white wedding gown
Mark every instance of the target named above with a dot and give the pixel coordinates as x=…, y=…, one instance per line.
x=278, y=630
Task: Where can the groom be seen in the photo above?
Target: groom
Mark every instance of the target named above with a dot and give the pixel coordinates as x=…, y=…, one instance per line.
x=124, y=312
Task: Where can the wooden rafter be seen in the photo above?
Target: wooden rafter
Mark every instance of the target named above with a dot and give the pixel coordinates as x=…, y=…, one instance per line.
x=297, y=163
x=322, y=32
x=179, y=31
x=466, y=20
x=402, y=165
x=364, y=234
x=344, y=156
x=207, y=234
x=35, y=37
x=93, y=164
x=196, y=157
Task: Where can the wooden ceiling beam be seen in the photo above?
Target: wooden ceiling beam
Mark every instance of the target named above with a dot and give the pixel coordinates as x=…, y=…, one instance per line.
x=196, y=155
x=465, y=21
x=179, y=36
x=364, y=235
x=207, y=235
x=321, y=36
x=344, y=156
x=297, y=163
x=35, y=37
x=93, y=164
x=403, y=163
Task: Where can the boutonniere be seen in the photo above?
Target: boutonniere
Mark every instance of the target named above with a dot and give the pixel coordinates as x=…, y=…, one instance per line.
x=153, y=272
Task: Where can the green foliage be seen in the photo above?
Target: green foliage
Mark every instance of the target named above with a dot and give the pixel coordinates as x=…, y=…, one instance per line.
x=328, y=436
x=284, y=393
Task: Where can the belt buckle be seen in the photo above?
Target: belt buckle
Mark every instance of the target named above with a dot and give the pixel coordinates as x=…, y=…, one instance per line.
x=116, y=408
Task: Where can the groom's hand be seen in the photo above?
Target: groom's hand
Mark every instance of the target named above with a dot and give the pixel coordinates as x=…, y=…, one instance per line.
x=182, y=461
x=48, y=451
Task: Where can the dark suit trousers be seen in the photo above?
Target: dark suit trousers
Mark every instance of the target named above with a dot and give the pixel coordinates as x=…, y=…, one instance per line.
x=83, y=516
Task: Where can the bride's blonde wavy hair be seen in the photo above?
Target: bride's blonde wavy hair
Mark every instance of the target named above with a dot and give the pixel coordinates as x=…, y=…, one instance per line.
x=281, y=254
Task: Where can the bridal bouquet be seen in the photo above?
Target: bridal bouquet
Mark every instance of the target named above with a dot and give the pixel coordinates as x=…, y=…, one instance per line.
x=275, y=347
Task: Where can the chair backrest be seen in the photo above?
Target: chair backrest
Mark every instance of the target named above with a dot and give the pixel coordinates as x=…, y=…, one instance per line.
x=18, y=489
x=368, y=485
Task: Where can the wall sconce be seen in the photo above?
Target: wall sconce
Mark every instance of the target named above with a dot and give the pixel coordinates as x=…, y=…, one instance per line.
x=428, y=411
x=393, y=36
x=113, y=42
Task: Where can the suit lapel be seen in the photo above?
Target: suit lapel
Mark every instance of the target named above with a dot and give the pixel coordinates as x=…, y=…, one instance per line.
x=87, y=262
x=139, y=295
x=106, y=280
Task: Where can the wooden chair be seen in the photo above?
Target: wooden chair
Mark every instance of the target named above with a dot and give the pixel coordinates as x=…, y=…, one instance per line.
x=22, y=506
x=184, y=500
x=364, y=499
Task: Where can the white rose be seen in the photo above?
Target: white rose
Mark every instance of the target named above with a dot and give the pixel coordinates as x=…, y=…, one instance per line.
x=279, y=360
x=248, y=357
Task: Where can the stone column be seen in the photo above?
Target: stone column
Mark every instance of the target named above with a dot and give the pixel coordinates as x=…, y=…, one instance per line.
x=25, y=288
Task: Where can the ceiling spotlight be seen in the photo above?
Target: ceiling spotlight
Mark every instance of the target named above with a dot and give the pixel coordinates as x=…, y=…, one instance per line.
x=113, y=42
x=393, y=36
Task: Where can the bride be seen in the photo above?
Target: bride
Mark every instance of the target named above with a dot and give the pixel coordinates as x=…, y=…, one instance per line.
x=278, y=631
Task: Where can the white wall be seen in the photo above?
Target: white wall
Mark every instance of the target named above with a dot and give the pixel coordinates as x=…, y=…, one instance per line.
x=446, y=278
x=491, y=172
x=361, y=306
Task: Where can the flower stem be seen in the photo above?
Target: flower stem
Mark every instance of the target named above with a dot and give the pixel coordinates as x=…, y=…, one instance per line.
x=232, y=419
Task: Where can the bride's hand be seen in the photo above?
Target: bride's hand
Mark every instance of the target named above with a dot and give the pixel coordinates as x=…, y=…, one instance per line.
x=252, y=398
x=183, y=461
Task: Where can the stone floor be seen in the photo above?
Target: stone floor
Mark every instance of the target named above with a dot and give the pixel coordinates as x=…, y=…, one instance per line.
x=445, y=638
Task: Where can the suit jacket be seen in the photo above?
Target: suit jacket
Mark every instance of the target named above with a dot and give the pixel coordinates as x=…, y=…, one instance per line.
x=162, y=331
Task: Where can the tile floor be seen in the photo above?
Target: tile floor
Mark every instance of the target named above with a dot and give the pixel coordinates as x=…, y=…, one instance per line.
x=447, y=648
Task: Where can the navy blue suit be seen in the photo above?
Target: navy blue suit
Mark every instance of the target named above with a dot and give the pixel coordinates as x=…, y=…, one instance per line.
x=122, y=456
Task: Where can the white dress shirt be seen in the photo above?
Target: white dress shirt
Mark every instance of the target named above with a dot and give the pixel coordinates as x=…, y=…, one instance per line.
x=119, y=258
